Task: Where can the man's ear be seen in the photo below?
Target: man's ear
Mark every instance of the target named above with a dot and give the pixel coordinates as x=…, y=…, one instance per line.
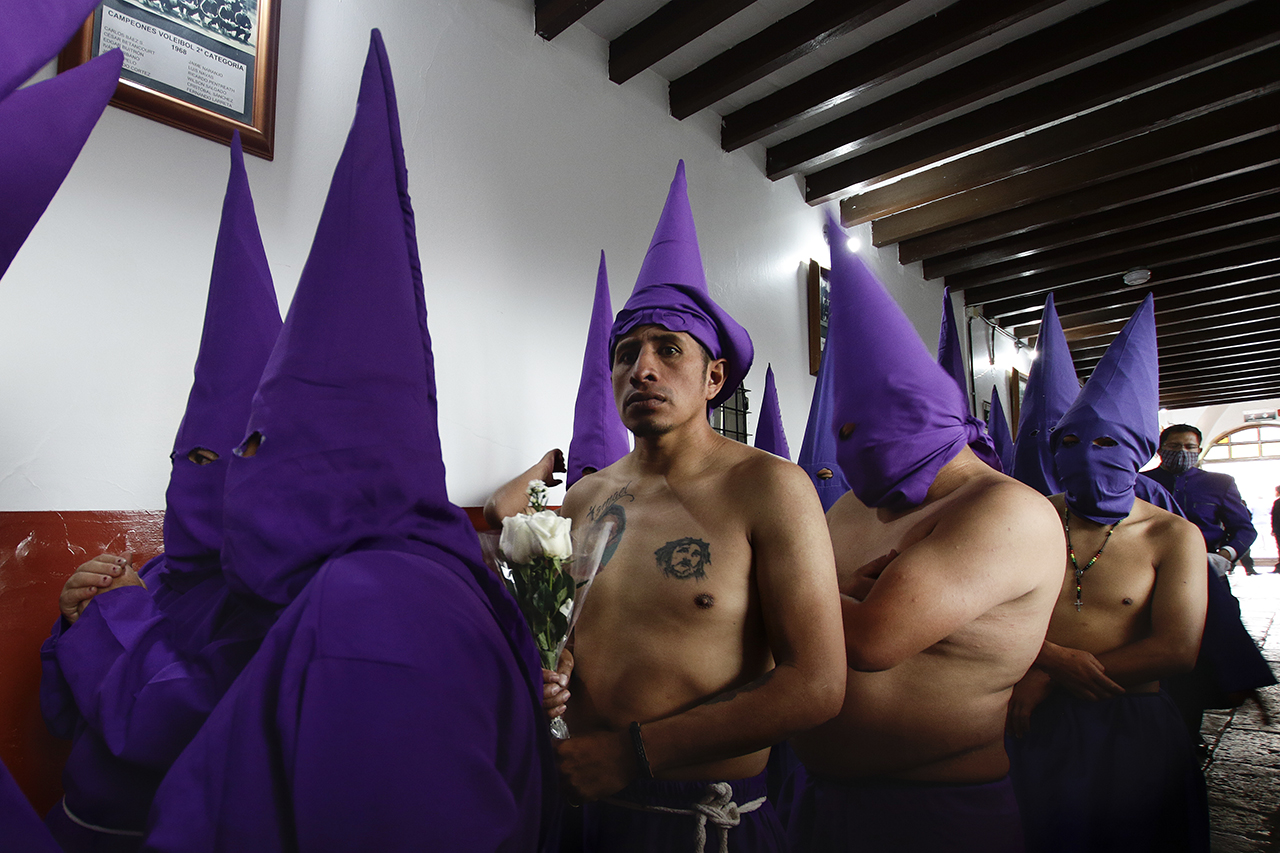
x=716, y=372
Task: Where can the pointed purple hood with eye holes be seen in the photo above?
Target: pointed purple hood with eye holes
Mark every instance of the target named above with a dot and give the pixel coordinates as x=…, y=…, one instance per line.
x=950, y=356
x=769, y=434
x=1115, y=424
x=599, y=438
x=899, y=417
x=346, y=410
x=241, y=322
x=818, y=449
x=42, y=129
x=998, y=429
x=671, y=291
x=1051, y=388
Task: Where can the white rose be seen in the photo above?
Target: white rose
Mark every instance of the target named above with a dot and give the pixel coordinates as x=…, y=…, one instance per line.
x=527, y=536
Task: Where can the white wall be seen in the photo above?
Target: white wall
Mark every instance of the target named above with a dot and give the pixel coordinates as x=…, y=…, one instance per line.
x=524, y=162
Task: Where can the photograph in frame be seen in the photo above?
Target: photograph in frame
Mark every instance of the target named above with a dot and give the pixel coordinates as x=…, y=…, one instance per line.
x=204, y=66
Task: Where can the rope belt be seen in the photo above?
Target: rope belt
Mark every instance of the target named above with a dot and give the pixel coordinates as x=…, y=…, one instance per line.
x=716, y=807
x=131, y=833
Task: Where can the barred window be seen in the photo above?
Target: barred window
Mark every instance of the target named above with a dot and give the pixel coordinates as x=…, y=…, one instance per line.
x=1247, y=442
x=730, y=417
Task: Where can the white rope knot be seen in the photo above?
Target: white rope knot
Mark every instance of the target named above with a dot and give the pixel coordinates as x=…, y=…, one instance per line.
x=716, y=807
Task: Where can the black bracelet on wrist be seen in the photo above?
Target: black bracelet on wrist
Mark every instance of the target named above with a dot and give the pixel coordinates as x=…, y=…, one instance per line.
x=637, y=743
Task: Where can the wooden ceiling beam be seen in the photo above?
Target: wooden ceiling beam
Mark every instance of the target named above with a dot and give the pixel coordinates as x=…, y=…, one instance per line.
x=1166, y=144
x=1045, y=51
x=1264, y=372
x=1221, y=258
x=1141, y=247
x=552, y=17
x=798, y=34
x=958, y=25
x=1249, y=384
x=664, y=32
x=1199, y=400
x=1216, y=164
x=1181, y=356
x=1202, y=366
x=1186, y=51
x=1200, y=199
x=1207, y=338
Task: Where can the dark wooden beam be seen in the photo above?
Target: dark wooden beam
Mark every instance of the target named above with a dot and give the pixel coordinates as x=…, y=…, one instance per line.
x=1249, y=385
x=1224, y=258
x=666, y=31
x=1201, y=366
x=962, y=23
x=1207, y=400
x=1204, y=198
x=1168, y=319
x=1070, y=301
x=1088, y=33
x=1207, y=338
x=1166, y=144
x=1267, y=289
x=796, y=35
x=1140, y=247
x=552, y=17
x=1178, y=54
x=1216, y=164
x=1267, y=371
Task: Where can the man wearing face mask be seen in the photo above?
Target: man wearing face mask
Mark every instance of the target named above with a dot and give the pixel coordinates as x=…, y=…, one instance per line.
x=1100, y=758
x=1211, y=501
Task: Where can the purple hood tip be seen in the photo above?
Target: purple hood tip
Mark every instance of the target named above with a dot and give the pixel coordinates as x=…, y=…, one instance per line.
x=769, y=434
x=599, y=438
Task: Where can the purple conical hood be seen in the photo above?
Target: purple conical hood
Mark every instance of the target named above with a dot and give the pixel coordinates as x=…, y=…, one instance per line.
x=33, y=33
x=241, y=322
x=599, y=438
x=671, y=291
x=769, y=434
x=818, y=449
x=1051, y=388
x=950, y=356
x=1119, y=403
x=42, y=129
x=899, y=416
x=350, y=449
x=998, y=429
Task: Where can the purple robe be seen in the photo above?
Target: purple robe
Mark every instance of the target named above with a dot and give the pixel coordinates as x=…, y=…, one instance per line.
x=1116, y=775
x=902, y=817
x=20, y=828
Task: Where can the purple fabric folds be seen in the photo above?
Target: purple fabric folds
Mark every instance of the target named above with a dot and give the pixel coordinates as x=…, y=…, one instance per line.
x=33, y=33
x=1052, y=387
x=899, y=418
x=998, y=429
x=671, y=291
x=42, y=129
x=599, y=438
x=22, y=828
x=338, y=735
x=1115, y=419
x=769, y=434
x=818, y=449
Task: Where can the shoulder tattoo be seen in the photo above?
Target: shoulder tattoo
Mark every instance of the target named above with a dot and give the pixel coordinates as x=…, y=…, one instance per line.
x=684, y=558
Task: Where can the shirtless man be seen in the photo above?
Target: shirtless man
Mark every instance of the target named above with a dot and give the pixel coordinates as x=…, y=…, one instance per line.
x=713, y=628
x=948, y=570
x=1101, y=759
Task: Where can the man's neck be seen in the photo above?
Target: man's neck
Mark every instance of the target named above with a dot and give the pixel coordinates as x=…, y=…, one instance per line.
x=683, y=450
x=962, y=469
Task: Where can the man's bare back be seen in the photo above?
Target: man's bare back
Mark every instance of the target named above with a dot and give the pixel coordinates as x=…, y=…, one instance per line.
x=939, y=637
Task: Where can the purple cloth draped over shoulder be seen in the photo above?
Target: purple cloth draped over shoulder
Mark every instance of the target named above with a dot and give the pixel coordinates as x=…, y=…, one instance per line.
x=900, y=817
x=899, y=417
x=611, y=828
x=769, y=434
x=338, y=735
x=599, y=438
x=1113, y=776
x=144, y=667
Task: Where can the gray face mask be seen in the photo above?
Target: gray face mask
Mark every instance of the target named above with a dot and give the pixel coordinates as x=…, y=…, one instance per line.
x=1179, y=460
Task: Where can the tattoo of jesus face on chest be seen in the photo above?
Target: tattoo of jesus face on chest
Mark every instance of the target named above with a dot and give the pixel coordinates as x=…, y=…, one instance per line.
x=684, y=558
x=611, y=507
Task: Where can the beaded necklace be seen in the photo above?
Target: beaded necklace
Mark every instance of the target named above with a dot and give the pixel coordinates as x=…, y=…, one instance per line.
x=1071, y=553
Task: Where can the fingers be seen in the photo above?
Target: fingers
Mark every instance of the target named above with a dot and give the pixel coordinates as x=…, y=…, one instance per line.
x=555, y=693
x=565, y=667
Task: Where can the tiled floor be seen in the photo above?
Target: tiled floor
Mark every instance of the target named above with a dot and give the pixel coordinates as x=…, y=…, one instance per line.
x=1243, y=769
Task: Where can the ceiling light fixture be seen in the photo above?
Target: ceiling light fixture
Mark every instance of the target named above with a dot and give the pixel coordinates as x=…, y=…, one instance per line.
x=1136, y=276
